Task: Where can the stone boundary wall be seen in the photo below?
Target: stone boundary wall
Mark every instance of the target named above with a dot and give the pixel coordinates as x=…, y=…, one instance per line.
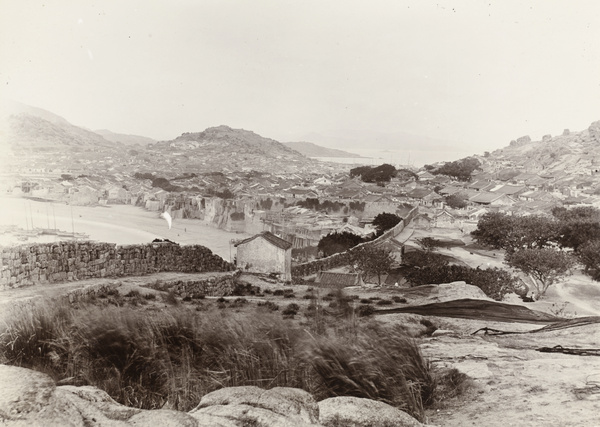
x=212, y=286
x=32, y=264
x=343, y=258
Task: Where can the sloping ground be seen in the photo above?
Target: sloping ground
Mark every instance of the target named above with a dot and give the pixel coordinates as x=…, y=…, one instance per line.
x=477, y=309
x=512, y=383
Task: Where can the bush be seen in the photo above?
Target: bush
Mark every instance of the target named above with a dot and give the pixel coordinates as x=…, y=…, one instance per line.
x=365, y=310
x=291, y=310
x=384, y=302
x=396, y=298
x=170, y=298
x=269, y=305
x=430, y=328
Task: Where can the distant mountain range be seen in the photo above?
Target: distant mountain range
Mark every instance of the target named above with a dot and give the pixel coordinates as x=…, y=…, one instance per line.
x=31, y=130
x=313, y=150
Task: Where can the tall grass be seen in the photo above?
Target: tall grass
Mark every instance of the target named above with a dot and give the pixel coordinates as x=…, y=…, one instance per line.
x=171, y=358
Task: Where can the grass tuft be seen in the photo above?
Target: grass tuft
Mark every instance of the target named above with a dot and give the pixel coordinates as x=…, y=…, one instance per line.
x=170, y=358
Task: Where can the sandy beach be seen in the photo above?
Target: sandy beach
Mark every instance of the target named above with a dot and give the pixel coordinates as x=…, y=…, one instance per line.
x=120, y=224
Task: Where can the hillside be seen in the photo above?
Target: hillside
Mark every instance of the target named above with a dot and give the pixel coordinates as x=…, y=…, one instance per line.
x=125, y=139
x=225, y=149
x=570, y=152
x=313, y=150
x=32, y=129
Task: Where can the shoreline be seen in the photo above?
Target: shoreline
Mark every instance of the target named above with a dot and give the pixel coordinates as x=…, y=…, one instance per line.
x=120, y=224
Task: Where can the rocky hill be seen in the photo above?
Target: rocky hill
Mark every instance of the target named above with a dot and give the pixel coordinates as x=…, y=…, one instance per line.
x=226, y=149
x=313, y=150
x=571, y=152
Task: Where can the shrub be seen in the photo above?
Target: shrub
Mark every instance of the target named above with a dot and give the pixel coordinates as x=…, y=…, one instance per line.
x=430, y=328
x=365, y=310
x=291, y=310
x=269, y=305
x=396, y=298
x=170, y=298
x=384, y=302
x=150, y=296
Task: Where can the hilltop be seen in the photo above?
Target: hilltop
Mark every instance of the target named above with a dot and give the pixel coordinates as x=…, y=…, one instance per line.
x=226, y=149
x=570, y=152
x=32, y=129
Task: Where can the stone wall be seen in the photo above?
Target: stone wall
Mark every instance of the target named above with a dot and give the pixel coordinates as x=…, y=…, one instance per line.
x=216, y=285
x=343, y=258
x=65, y=261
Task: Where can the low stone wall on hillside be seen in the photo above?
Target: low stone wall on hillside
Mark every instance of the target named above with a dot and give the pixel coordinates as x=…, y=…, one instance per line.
x=214, y=285
x=343, y=258
x=66, y=261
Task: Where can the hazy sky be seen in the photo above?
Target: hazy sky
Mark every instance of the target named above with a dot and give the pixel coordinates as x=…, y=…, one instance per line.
x=477, y=72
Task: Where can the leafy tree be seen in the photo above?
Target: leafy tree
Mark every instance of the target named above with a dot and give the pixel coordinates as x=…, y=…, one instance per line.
x=456, y=201
x=428, y=244
x=359, y=171
x=338, y=242
x=382, y=173
x=492, y=229
x=459, y=169
x=266, y=204
x=512, y=233
x=544, y=266
x=422, y=268
x=578, y=225
x=589, y=256
x=372, y=261
x=574, y=234
x=384, y=221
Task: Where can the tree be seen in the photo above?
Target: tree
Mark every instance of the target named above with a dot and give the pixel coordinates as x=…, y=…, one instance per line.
x=459, y=169
x=456, y=201
x=589, y=256
x=334, y=243
x=544, y=266
x=372, y=261
x=428, y=244
x=513, y=233
x=491, y=229
x=382, y=173
x=422, y=268
x=384, y=221
x=574, y=234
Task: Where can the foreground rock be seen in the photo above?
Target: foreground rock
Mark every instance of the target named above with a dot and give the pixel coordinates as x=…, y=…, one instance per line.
x=30, y=398
x=350, y=411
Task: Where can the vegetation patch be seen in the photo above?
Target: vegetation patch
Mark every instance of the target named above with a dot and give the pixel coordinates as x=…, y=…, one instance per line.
x=145, y=359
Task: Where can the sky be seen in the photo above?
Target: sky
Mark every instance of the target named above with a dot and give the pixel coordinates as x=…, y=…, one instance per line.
x=476, y=73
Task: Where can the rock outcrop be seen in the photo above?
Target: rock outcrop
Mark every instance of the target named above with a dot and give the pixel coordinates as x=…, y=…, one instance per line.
x=30, y=398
